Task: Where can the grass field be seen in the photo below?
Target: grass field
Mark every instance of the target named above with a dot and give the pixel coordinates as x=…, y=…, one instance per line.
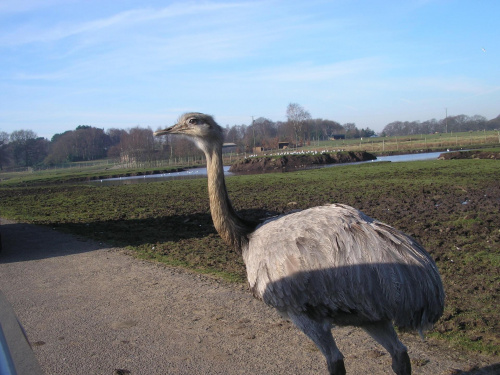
x=452, y=207
x=387, y=145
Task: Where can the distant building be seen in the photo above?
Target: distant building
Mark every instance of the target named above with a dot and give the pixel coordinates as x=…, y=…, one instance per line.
x=334, y=137
x=283, y=145
x=229, y=147
x=135, y=156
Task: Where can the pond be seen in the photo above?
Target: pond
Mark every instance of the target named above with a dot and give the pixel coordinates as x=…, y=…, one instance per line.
x=410, y=157
x=183, y=175
x=202, y=172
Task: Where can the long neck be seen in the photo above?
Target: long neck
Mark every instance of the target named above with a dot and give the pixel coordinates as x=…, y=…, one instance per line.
x=229, y=225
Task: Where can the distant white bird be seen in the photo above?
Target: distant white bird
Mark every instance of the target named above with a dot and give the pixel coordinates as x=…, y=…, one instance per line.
x=325, y=265
x=484, y=50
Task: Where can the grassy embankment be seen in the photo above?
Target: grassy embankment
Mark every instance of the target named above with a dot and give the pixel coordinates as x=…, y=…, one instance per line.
x=73, y=175
x=451, y=207
x=417, y=142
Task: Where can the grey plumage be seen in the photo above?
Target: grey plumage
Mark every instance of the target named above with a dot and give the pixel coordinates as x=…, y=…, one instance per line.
x=326, y=265
x=366, y=270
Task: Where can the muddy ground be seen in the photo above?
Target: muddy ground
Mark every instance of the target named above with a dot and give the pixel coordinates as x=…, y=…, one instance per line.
x=294, y=162
x=474, y=154
x=92, y=309
x=468, y=274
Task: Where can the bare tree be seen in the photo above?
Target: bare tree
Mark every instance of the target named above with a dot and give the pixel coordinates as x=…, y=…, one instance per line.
x=239, y=134
x=262, y=132
x=493, y=124
x=328, y=128
x=26, y=147
x=115, y=138
x=83, y=144
x=297, y=117
x=91, y=143
x=138, y=144
x=351, y=131
x=4, y=155
x=115, y=135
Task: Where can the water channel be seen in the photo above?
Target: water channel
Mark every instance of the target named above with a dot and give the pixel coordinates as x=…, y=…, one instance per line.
x=202, y=172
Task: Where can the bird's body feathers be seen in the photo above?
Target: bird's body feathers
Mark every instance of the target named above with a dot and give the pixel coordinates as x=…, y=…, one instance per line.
x=334, y=263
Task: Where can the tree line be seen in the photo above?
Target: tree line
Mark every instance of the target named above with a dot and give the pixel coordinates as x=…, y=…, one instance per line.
x=452, y=124
x=23, y=148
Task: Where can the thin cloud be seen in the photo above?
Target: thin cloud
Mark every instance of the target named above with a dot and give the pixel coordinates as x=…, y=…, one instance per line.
x=439, y=85
x=29, y=34
x=452, y=84
x=40, y=77
x=312, y=72
x=309, y=72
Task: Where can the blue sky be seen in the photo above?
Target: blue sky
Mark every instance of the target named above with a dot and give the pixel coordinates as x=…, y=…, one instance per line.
x=127, y=63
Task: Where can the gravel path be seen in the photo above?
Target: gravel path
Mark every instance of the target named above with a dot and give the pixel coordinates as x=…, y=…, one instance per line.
x=91, y=309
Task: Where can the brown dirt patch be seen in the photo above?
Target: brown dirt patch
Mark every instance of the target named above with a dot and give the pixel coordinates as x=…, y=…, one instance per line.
x=292, y=162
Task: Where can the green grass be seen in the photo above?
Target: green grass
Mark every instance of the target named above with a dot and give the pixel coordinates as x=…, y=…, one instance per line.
x=72, y=175
x=438, y=142
x=461, y=340
x=170, y=222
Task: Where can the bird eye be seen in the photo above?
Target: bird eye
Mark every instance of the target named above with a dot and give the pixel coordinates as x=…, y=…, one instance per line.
x=193, y=121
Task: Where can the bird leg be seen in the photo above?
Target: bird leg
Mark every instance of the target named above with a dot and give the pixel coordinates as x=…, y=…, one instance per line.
x=383, y=332
x=320, y=333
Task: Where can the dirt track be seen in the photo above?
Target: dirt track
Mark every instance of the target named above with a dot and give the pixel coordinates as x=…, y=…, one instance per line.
x=91, y=309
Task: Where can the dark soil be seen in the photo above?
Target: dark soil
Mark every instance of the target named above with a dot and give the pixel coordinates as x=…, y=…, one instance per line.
x=470, y=272
x=476, y=154
x=292, y=162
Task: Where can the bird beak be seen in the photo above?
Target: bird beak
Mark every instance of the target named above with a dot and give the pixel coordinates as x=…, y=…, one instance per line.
x=169, y=130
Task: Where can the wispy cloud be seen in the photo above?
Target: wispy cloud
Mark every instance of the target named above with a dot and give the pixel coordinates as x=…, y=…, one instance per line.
x=54, y=76
x=463, y=85
x=313, y=72
x=415, y=84
x=25, y=34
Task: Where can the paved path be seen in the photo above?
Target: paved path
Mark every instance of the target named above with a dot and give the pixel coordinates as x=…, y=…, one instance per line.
x=91, y=309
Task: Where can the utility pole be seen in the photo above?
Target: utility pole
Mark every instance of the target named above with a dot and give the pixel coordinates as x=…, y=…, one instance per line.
x=253, y=129
x=446, y=120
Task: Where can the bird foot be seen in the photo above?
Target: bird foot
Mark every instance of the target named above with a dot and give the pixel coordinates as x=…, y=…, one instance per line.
x=337, y=367
x=401, y=363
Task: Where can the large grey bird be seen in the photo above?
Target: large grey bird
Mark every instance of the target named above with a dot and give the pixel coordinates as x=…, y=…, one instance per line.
x=327, y=265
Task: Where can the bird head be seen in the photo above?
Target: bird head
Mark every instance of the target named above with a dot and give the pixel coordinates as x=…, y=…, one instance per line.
x=200, y=127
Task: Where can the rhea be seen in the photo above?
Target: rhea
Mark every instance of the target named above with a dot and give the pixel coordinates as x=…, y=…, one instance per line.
x=327, y=265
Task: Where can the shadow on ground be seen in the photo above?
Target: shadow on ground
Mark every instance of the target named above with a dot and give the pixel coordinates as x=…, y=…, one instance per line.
x=493, y=369
x=25, y=242
x=21, y=241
